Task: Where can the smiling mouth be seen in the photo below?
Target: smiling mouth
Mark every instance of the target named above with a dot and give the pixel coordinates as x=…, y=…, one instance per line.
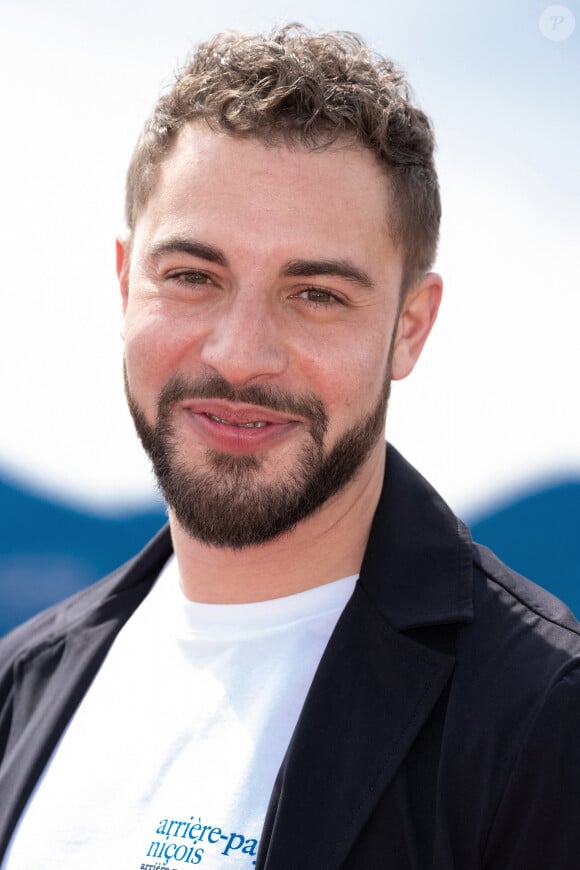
x=257, y=424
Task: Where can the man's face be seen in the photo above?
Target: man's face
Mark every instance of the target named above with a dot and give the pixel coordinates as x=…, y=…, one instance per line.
x=261, y=297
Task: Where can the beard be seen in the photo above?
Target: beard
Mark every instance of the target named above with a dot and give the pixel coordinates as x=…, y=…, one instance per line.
x=227, y=503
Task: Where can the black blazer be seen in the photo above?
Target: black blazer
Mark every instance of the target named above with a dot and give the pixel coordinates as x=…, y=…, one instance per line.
x=441, y=730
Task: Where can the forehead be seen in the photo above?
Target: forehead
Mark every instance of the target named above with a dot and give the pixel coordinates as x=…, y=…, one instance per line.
x=265, y=193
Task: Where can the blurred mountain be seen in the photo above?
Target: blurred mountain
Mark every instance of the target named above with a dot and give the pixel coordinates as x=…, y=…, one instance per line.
x=48, y=549
x=537, y=533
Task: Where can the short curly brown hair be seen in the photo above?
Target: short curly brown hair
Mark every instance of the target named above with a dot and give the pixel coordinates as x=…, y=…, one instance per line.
x=297, y=86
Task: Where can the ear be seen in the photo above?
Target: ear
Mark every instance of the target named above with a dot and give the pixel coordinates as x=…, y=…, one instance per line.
x=122, y=251
x=418, y=313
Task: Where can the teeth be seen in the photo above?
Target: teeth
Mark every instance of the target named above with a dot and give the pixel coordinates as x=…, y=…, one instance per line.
x=259, y=424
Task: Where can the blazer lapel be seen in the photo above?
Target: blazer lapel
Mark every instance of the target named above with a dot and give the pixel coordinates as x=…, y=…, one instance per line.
x=369, y=699
x=375, y=687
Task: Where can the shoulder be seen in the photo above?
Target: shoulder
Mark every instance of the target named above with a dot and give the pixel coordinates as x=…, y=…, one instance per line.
x=508, y=603
x=513, y=717
x=51, y=624
x=41, y=650
x=110, y=600
x=521, y=642
x=531, y=694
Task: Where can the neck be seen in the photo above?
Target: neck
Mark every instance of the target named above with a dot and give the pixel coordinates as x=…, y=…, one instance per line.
x=326, y=546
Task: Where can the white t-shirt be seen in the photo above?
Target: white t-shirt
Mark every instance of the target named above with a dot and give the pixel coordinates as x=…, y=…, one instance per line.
x=172, y=755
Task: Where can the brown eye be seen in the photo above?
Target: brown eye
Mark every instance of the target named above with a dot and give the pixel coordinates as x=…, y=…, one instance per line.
x=195, y=278
x=318, y=297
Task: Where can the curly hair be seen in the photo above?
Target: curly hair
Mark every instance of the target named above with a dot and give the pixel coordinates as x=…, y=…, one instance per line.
x=297, y=86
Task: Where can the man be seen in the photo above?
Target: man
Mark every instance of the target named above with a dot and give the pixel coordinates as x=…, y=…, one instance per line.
x=326, y=673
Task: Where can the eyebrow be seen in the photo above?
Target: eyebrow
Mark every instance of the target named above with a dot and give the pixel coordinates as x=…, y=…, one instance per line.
x=176, y=244
x=341, y=268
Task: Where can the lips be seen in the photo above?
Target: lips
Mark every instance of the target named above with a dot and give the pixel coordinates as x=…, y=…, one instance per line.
x=238, y=414
x=238, y=428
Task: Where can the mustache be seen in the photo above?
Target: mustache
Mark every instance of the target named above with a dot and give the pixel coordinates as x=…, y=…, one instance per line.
x=179, y=389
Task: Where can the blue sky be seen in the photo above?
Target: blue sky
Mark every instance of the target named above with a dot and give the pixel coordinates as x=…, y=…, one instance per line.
x=493, y=403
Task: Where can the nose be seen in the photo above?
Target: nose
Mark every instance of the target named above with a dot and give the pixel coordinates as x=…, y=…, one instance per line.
x=245, y=343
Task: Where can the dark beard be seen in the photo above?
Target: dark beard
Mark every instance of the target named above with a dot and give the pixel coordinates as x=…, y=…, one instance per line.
x=227, y=505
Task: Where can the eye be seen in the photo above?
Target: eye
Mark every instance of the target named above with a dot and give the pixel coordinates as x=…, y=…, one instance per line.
x=192, y=277
x=318, y=297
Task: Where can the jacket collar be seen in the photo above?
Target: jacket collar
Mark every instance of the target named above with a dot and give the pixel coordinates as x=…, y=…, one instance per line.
x=375, y=687
x=418, y=562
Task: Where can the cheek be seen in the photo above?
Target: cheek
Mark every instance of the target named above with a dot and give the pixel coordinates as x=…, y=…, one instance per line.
x=157, y=328
x=153, y=347
x=349, y=375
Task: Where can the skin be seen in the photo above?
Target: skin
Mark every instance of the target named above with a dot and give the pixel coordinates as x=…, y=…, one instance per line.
x=246, y=317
